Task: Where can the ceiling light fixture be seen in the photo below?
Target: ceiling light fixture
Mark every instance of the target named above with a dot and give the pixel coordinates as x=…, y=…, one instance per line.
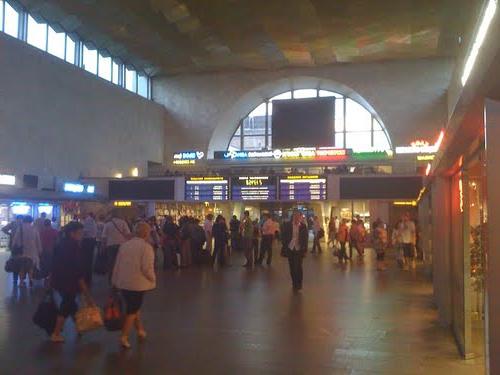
x=488, y=15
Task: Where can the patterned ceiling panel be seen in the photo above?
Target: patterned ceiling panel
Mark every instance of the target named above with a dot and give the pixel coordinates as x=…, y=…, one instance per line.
x=191, y=36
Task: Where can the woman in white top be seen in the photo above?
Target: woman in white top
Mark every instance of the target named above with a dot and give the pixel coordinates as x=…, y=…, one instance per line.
x=28, y=239
x=134, y=274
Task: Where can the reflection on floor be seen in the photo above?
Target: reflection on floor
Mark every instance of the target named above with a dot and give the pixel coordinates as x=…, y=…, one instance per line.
x=351, y=320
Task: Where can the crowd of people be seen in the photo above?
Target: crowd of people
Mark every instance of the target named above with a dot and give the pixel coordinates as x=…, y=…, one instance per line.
x=130, y=254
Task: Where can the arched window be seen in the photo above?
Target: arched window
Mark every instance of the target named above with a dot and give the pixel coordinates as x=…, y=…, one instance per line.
x=355, y=126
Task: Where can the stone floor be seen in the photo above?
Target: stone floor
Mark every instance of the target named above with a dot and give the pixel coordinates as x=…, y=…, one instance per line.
x=351, y=320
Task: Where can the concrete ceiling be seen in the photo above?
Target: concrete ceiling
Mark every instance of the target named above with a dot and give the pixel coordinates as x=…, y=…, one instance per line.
x=193, y=36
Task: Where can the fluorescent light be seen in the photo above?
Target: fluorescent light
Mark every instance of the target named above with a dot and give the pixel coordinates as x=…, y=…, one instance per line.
x=118, y=175
x=90, y=189
x=488, y=15
x=73, y=188
x=428, y=169
x=134, y=172
x=7, y=179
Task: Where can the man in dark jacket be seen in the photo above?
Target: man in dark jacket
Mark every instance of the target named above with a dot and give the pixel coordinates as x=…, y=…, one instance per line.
x=295, y=238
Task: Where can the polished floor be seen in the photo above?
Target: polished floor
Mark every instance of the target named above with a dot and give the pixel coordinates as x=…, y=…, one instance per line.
x=347, y=320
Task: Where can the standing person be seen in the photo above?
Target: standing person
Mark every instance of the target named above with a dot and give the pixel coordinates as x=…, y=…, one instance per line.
x=197, y=241
x=255, y=240
x=155, y=237
x=407, y=237
x=68, y=276
x=89, y=242
x=116, y=231
x=40, y=222
x=332, y=231
x=134, y=274
x=170, y=241
x=10, y=230
x=295, y=237
x=361, y=238
x=234, y=227
x=48, y=238
x=380, y=243
x=342, y=238
x=266, y=244
x=246, y=229
x=221, y=236
x=352, y=237
x=28, y=238
x=186, y=234
x=207, y=226
x=317, y=232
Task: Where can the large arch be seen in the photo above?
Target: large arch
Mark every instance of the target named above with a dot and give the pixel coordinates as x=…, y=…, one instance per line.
x=229, y=122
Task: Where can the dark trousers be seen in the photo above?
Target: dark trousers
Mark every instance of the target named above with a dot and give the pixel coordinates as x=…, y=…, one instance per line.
x=111, y=253
x=169, y=251
x=266, y=246
x=316, y=244
x=88, y=248
x=235, y=241
x=295, y=263
x=248, y=248
x=255, y=247
x=219, y=250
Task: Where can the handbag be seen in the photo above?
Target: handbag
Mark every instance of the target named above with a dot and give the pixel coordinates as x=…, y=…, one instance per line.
x=46, y=313
x=88, y=317
x=113, y=313
x=101, y=263
x=12, y=265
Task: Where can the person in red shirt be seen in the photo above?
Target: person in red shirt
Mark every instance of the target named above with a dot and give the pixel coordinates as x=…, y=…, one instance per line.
x=342, y=237
x=48, y=238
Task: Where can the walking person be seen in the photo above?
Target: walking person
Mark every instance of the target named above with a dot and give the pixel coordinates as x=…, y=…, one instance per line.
x=342, y=238
x=407, y=237
x=207, y=226
x=295, y=237
x=255, y=240
x=89, y=242
x=27, y=239
x=68, y=276
x=133, y=275
x=221, y=236
x=246, y=230
x=48, y=239
x=352, y=237
x=318, y=233
x=116, y=231
x=266, y=243
x=380, y=243
x=332, y=231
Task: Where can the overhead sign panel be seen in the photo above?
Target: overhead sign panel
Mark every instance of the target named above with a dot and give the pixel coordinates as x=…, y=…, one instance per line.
x=207, y=188
x=303, y=188
x=254, y=188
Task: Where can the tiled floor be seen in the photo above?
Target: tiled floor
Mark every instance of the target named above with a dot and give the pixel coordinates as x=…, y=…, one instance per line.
x=351, y=320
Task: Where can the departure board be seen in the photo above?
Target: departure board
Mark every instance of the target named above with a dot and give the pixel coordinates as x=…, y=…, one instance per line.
x=206, y=189
x=254, y=188
x=302, y=188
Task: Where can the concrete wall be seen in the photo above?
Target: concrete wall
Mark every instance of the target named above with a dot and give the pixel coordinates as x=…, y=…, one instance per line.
x=409, y=96
x=57, y=119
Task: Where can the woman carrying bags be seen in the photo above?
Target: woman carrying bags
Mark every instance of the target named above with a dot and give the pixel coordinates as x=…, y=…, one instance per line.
x=133, y=275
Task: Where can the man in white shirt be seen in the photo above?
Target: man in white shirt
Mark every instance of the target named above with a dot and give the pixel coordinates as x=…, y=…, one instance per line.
x=116, y=231
x=207, y=227
x=88, y=246
x=266, y=244
x=294, y=240
x=407, y=236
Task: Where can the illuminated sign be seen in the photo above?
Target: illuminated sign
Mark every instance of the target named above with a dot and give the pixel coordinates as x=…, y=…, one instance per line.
x=372, y=155
x=207, y=188
x=302, y=188
x=300, y=153
x=187, y=157
x=405, y=203
x=70, y=187
x=122, y=204
x=425, y=157
x=257, y=188
x=7, y=179
x=20, y=208
x=421, y=147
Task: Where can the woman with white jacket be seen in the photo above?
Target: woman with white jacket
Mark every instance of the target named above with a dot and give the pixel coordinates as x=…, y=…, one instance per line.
x=134, y=274
x=28, y=239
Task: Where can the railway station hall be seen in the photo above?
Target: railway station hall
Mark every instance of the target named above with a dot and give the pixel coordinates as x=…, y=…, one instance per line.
x=243, y=187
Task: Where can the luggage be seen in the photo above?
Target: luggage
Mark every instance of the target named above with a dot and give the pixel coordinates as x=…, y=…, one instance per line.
x=88, y=317
x=101, y=263
x=46, y=313
x=114, y=313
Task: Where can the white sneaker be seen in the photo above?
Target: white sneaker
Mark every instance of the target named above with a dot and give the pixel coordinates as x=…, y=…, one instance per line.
x=124, y=342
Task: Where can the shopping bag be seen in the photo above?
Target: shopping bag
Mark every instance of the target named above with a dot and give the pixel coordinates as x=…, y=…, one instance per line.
x=46, y=313
x=88, y=317
x=101, y=263
x=114, y=313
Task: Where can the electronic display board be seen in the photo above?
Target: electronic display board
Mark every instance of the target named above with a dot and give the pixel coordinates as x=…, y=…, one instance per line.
x=136, y=189
x=254, y=188
x=302, y=188
x=206, y=189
